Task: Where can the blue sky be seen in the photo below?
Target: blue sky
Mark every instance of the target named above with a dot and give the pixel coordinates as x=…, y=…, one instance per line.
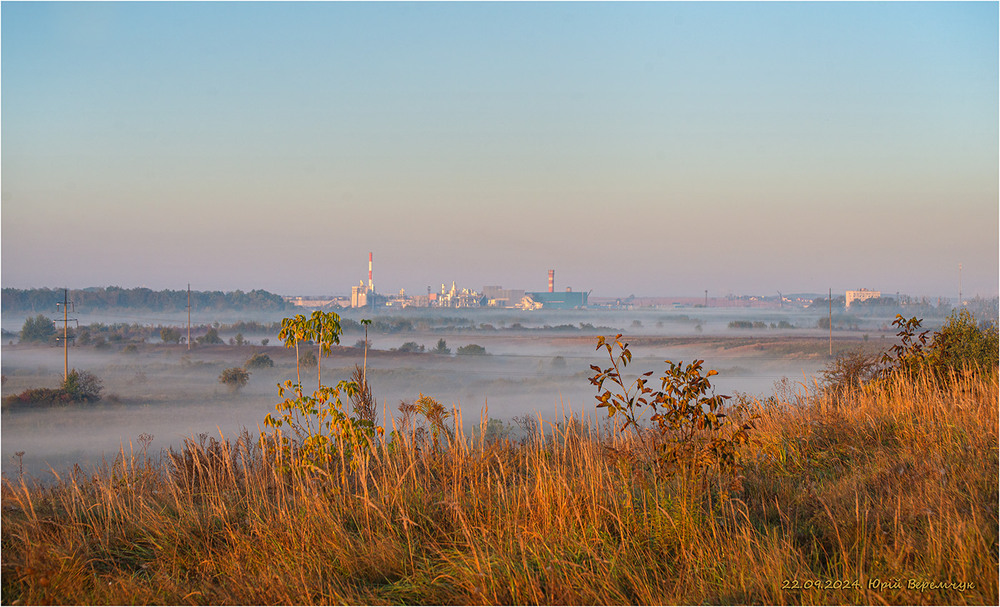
x=646, y=148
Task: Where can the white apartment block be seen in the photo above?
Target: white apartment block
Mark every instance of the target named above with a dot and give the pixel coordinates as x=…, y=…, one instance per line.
x=862, y=295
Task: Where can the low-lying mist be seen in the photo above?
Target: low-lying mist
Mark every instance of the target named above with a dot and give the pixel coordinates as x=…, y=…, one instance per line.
x=172, y=393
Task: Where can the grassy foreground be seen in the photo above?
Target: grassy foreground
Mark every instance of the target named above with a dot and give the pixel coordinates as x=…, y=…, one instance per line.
x=879, y=495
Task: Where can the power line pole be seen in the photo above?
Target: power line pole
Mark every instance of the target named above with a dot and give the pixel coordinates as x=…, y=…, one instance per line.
x=189, y=317
x=66, y=303
x=830, y=301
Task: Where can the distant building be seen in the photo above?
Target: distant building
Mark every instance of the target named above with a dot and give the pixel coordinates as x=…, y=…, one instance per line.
x=498, y=297
x=862, y=295
x=306, y=301
x=566, y=300
x=359, y=296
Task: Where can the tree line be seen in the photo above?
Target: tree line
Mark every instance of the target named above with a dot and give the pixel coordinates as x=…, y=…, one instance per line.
x=141, y=298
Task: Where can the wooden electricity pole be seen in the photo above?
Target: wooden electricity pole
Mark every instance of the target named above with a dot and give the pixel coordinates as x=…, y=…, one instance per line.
x=189, y=317
x=66, y=303
x=830, y=301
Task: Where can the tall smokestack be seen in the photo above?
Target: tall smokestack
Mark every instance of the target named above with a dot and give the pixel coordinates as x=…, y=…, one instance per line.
x=371, y=287
x=552, y=281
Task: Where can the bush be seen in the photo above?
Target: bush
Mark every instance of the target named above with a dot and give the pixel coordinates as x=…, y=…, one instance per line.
x=851, y=370
x=308, y=358
x=695, y=431
x=471, y=350
x=962, y=342
x=83, y=386
x=235, y=378
x=212, y=337
x=411, y=346
x=259, y=361
x=79, y=386
x=170, y=335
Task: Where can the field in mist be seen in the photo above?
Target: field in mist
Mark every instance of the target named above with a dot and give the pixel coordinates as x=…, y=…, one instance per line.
x=537, y=364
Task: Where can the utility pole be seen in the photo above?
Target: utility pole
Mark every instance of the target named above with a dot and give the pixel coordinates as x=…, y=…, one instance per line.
x=706, y=298
x=189, y=316
x=66, y=303
x=830, y=301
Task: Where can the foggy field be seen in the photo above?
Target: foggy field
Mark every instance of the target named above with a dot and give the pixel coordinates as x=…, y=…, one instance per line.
x=172, y=393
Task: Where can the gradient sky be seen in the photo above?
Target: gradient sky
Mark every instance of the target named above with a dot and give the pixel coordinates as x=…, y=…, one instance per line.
x=646, y=148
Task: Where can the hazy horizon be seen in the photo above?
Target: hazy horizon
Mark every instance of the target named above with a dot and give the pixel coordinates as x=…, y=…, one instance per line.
x=655, y=149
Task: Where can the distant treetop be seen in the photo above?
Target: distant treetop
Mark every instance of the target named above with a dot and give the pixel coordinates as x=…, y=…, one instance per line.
x=97, y=298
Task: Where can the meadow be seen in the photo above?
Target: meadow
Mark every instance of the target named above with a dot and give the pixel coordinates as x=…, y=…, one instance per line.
x=884, y=493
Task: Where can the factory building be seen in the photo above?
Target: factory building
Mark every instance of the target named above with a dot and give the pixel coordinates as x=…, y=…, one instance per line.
x=552, y=299
x=499, y=297
x=566, y=300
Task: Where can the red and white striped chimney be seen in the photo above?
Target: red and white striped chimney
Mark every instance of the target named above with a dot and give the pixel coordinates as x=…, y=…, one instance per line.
x=552, y=281
x=371, y=287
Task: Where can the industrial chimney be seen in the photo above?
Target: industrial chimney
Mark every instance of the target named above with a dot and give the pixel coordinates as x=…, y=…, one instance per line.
x=371, y=287
x=552, y=281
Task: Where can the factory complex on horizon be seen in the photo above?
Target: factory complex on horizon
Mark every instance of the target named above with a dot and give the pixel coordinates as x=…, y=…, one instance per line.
x=365, y=296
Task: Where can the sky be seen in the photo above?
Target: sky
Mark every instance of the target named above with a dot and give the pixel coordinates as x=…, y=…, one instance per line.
x=659, y=148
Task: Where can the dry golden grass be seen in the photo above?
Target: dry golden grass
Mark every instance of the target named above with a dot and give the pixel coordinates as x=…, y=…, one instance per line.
x=871, y=489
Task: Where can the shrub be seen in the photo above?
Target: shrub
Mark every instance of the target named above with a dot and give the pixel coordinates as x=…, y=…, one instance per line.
x=212, y=337
x=258, y=361
x=235, y=378
x=442, y=347
x=170, y=335
x=471, y=350
x=83, y=386
x=962, y=342
x=308, y=358
x=694, y=430
x=411, y=346
x=851, y=370
x=495, y=430
x=79, y=386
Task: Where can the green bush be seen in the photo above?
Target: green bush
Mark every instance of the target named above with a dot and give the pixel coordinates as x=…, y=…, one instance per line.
x=308, y=358
x=961, y=341
x=411, y=346
x=79, y=386
x=695, y=431
x=471, y=350
x=235, y=378
x=170, y=335
x=212, y=337
x=83, y=386
x=259, y=361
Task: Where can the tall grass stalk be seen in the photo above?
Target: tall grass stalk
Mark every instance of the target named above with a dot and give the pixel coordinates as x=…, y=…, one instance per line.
x=877, y=484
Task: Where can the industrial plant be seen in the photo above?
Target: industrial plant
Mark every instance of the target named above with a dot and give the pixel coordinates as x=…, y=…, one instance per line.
x=365, y=296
